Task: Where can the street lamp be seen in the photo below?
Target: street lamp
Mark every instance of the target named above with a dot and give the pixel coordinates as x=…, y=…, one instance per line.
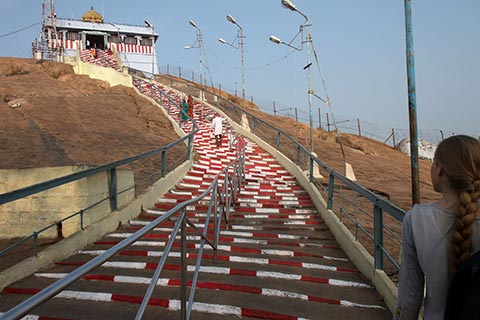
x=240, y=38
x=308, y=40
x=200, y=45
x=149, y=25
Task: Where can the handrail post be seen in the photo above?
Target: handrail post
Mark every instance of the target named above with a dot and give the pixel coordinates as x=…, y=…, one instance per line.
x=378, y=236
x=215, y=227
x=331, y=186
x=113, y=189
x=35, y=243
x=183, y=261
x=81, y=219
x=311, y=168
x=298, y=155
x=164, y=163
x=278, y=140
x=189, y=150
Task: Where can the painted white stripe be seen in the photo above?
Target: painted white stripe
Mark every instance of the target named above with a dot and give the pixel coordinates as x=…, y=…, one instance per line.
x=285, y=194
x=193, y=178
x=318, y=266
x=149, y=243
x=208, y=308
x=278, y=252
x=247, y=200
x=334, y=258
x=156, y=212
x=248, y=192
x=207, y=269
x=188, y=185
x=297, y=216
x=242, y=227
x=294, y=223
x=352, y=304
x=167, y=200
x=248, y=260
x=255, y=216
x=282, y=202
x=80, y=295
x=342, y=283
x=261, y=197
x=278, y=275
x=251, y=241
x=181, y=193
x=125, y=265
x=267, y=210
x=233, y=233
x=283, y=294
x=251, y=205
x=305, y=211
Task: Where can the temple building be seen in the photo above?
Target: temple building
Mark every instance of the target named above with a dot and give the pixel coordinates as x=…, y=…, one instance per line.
x=133, y=45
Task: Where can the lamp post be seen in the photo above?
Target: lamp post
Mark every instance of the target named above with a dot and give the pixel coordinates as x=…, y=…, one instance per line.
x=200, y=45
x=308, y=40
x=240, y=38
x=149, y=25
x=118, y=35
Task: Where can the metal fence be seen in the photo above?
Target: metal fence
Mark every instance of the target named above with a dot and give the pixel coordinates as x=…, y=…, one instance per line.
x=222, y=195
x=320, y=119
x=112, y=198
x=361, y=210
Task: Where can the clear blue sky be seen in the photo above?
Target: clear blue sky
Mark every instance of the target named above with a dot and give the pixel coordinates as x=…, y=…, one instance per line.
x=361, y=47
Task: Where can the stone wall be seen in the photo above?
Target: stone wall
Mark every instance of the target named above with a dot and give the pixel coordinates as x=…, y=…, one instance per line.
x=22, y=217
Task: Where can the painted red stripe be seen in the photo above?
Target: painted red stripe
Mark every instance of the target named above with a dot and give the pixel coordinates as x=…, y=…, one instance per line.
x=324, y=300
x=285, y=263
x=347, y=270
x=240, y=272
x=248, y=250
x=99, y=277
x=314, y=279
x=265, y=235
x=134, y=253
x=30, y=291
x=260, y=314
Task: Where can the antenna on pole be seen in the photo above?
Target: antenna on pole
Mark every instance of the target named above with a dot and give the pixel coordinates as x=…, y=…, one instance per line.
x=49, y=46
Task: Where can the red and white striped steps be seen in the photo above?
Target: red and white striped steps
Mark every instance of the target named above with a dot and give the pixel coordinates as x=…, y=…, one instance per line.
x=275, y=261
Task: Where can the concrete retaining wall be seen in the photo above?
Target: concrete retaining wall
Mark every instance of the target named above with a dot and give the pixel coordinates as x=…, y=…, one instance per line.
x=107, y=223
x=101, y=73
x=22, y=217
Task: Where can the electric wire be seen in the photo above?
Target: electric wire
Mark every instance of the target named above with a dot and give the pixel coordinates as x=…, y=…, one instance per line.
x=19, y=30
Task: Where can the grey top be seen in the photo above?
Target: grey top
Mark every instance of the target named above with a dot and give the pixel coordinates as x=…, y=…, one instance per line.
x=425, y=257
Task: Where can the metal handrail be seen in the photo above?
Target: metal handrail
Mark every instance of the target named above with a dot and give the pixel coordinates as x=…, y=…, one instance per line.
x=380, y=205
x=53, y=289
x=220, y=207
x=110, y=167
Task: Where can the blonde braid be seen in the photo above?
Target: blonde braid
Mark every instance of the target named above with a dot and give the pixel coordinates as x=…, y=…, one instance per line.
x=463, y=225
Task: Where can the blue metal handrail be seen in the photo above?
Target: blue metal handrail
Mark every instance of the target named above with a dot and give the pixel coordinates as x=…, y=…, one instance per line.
x=111, y=168
x=221, y=199
x=380, y=205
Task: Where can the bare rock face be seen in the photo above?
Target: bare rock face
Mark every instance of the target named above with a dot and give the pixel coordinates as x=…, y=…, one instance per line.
x=426, y=149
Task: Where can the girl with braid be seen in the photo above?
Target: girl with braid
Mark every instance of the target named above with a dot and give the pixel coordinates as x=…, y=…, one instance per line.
x=439, y=236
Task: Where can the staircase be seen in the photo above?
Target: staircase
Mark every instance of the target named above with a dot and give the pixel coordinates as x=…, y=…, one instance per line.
x=276, y=258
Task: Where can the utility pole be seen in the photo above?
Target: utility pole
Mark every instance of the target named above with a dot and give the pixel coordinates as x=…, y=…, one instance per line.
x=412, y=104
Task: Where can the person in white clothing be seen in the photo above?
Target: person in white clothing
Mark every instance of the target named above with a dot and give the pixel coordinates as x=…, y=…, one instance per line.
x=438, y=237
x=217, y=126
